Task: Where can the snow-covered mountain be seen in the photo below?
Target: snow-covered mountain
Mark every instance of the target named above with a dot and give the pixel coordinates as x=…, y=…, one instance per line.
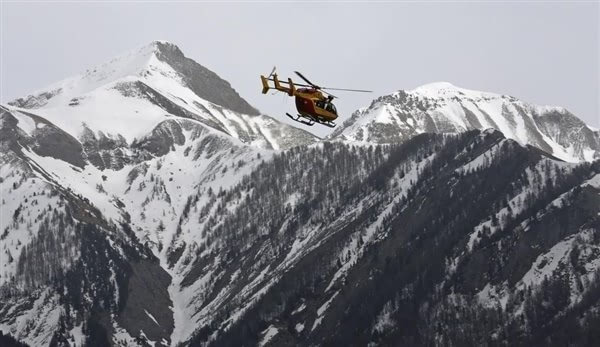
x=444, y=108
x=127, y=97
x=146, y=203
x=125, y=143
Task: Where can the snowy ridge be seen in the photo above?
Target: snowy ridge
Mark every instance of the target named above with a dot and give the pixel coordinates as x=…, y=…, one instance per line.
x=445, y=90
x=443, y=108
x=130, y=64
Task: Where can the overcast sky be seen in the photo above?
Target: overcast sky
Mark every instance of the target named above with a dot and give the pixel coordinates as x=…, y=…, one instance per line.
x=545, y=53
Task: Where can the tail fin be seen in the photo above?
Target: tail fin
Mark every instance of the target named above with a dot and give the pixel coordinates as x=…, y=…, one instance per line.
x=265, y=84
x=276, y=82
x=292, y=89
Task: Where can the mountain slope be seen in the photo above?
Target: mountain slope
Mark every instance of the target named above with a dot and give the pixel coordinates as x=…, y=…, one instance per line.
x=64, y=210
x=444, y=108
x=283, y=255
x=64, y=265
x=394, y=231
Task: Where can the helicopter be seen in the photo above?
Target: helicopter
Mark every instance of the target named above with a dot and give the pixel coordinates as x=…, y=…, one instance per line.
x=313, y=103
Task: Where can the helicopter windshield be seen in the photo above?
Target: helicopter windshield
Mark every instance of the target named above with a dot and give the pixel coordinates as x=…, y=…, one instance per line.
x=331, y=108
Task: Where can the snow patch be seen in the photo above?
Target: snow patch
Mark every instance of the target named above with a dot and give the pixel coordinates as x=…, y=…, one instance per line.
x=267, y=335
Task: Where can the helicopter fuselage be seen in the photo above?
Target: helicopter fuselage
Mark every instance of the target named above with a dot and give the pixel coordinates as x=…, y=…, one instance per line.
x=312, y=103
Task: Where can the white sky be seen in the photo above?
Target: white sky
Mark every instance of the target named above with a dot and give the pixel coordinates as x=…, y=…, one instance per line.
x=545, y=53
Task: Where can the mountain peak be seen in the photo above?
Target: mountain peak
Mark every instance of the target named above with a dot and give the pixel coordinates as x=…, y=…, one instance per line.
x=155, y=46
x=159, y=62
x=162, y=42
x=438, y=86
x=161, y=47
x=444, y=90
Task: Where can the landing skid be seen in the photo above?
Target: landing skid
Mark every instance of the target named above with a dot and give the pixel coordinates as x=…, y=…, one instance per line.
x=311, y=121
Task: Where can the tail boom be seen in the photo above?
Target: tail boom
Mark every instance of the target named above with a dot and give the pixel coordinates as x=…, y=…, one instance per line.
x=291, y=90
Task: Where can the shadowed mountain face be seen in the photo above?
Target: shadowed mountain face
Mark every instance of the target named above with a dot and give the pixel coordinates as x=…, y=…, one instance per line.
x=137, y=211
x=44, y=138
x=389, y=244
x=205, y=83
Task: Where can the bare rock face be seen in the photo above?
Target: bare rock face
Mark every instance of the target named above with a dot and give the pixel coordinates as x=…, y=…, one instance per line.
x=569, y=131
x=205, y=83
x=147, y=307
x=105, y=151
x=35, y=101
x=45, y=139
x=162, y=139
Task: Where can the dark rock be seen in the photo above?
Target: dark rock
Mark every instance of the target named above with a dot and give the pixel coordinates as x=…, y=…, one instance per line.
x=205, y=83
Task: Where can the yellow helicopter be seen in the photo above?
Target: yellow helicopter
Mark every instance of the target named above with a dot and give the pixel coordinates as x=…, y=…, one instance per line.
x=314, y=105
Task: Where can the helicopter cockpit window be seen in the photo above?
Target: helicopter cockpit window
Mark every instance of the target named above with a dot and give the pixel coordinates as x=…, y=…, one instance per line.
x=331, y=108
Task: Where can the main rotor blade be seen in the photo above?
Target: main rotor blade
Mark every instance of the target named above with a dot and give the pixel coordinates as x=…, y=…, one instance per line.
x=350, y=90
x=328, y=93
x=306, y=79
